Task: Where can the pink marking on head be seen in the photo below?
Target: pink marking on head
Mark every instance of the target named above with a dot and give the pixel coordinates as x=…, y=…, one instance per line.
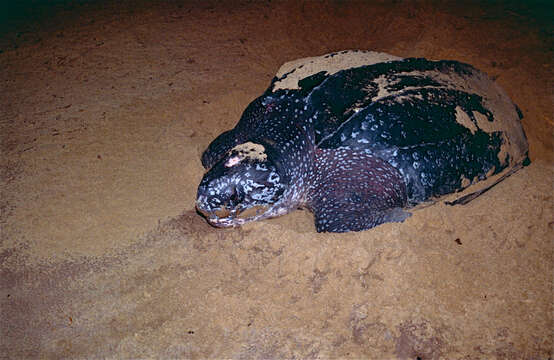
x=233, y=161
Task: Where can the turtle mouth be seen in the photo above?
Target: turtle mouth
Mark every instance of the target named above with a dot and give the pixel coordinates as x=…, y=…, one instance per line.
x=232, y=217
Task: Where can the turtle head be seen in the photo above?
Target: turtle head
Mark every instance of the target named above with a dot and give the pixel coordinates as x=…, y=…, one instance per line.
x=243, y=186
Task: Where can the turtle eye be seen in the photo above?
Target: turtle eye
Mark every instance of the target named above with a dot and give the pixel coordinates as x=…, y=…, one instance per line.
x=235, y=197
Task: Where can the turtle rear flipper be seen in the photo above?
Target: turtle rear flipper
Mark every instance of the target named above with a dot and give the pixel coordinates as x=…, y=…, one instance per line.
x=354, y=191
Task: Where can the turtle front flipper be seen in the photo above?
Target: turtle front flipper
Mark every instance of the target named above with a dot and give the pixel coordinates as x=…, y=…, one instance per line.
x=355, y=191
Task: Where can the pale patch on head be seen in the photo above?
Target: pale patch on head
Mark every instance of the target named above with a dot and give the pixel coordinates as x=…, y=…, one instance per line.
x=463, y=119
x=248, y=150
x=233, y=161
x=330, y=63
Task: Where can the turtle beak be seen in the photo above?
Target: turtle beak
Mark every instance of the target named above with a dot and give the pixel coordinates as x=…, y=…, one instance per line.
x=225, y=217
x=220, y=217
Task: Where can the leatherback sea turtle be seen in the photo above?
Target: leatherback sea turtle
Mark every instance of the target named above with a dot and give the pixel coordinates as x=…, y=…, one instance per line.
x=358, y=136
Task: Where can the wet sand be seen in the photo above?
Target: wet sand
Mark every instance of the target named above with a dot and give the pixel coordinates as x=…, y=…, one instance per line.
x=106, y=109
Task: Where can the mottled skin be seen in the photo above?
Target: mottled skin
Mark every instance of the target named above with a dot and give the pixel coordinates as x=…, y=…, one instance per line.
x=357, y=146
